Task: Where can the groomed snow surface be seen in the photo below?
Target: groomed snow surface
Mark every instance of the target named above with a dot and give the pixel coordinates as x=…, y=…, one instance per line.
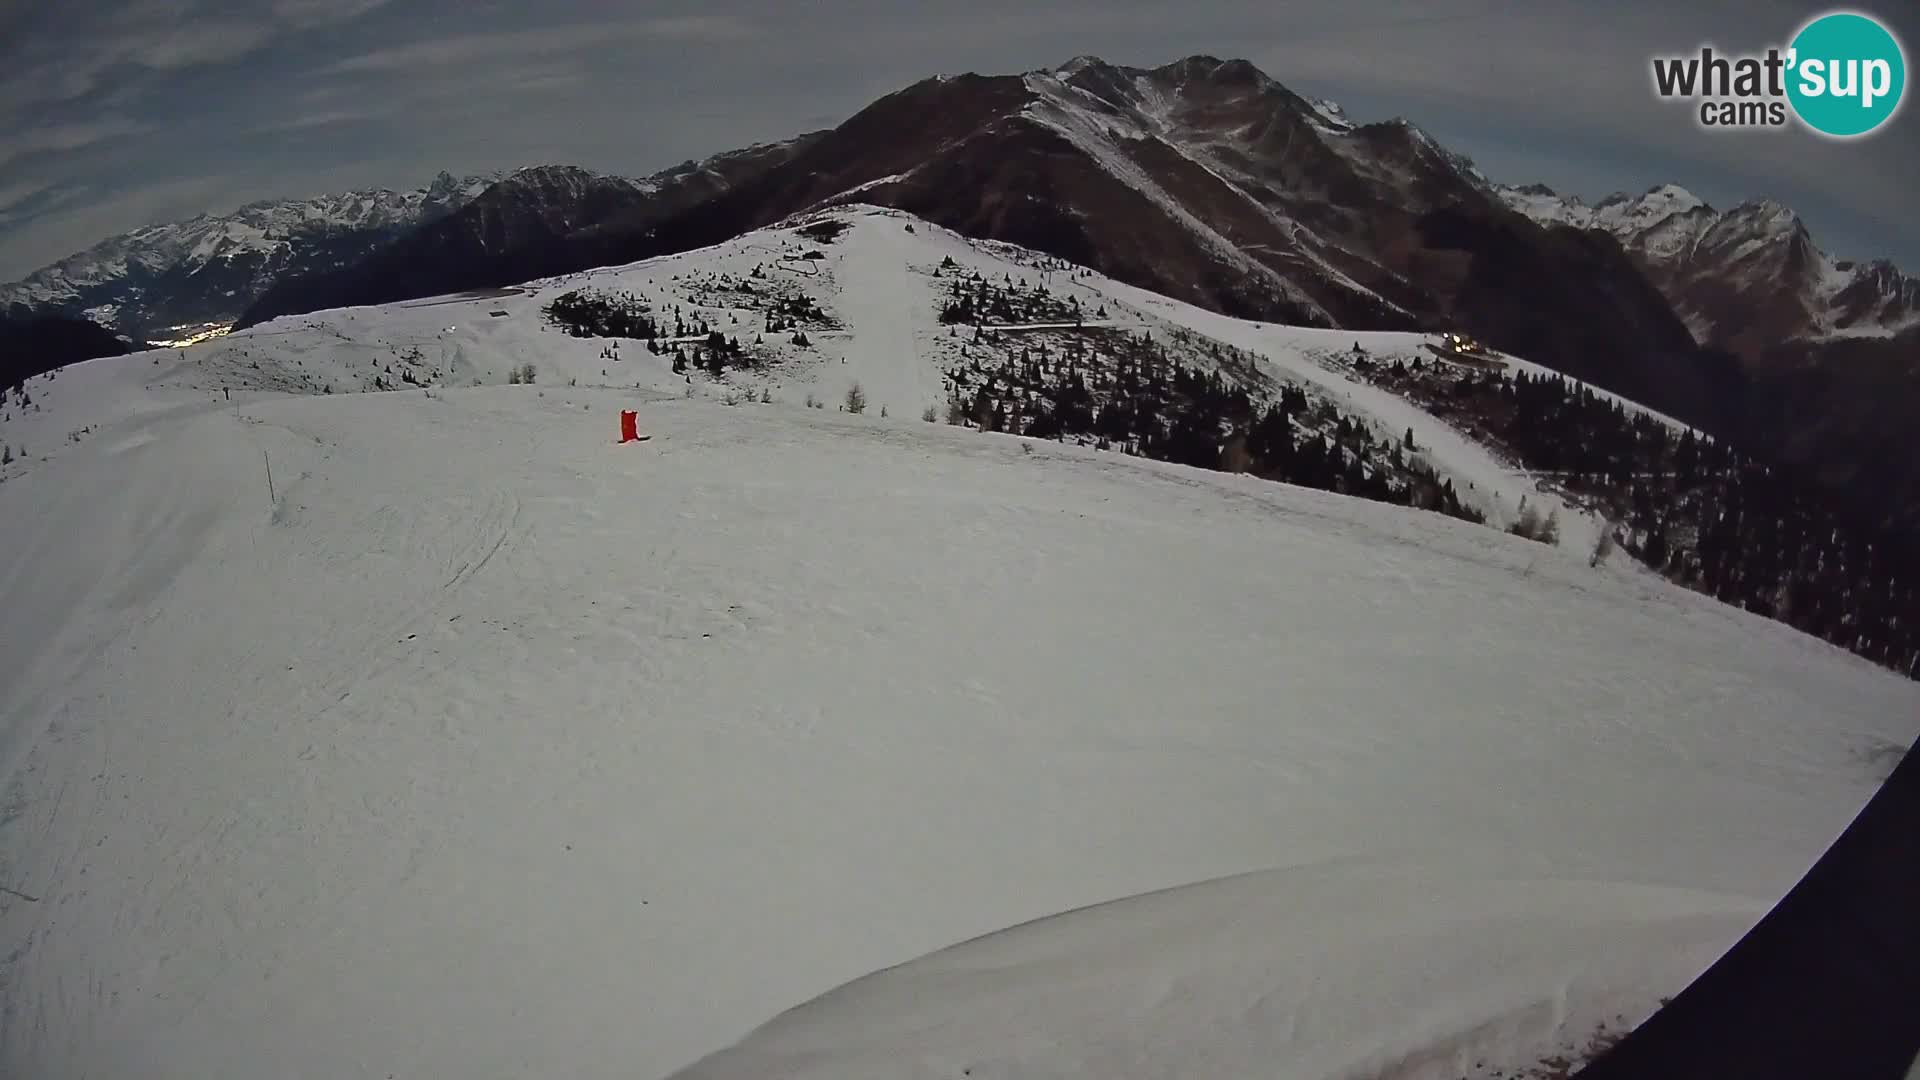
x=1256, y=976
x=487, y=747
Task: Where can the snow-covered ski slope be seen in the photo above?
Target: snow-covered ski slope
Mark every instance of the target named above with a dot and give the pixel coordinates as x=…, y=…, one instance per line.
x=880, y=288
x=486, y=747
x=1496, y=486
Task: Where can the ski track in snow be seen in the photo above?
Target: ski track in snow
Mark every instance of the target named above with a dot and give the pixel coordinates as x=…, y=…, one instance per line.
x=888, y=312
x=489, y=747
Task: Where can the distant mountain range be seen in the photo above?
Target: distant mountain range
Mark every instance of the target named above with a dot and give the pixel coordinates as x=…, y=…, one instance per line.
x=210, y=268
x=1747, y=278
x=1204, y=180
x=531, y=223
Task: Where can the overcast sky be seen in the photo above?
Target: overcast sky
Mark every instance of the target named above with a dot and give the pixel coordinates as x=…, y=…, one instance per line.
x=120, y=113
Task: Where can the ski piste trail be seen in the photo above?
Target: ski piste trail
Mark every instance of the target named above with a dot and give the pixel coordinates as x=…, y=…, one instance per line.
x=484, y=746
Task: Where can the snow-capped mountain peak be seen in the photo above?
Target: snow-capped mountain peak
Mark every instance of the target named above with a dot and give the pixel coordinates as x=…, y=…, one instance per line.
x=1546, y=206
x=206, y=268
x=1458, y=162
x=1719, y=267
x=1243, y=164
x=1621, y=213
x=1768, y=217
x=1332, y=113
x=1077, y=65
x=1675, y=196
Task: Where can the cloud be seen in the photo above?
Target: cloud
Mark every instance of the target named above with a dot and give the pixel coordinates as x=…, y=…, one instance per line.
x=65, y=138
x=304, y=13
x=464, y=49
x=12, y=195
x=322, y=95
x=192, y=46
x=35, y=204
x=306, y=121
x=538, y=82
x=83, y=67
x=29, y=86
x=43, y=237
x=696, y=28
x=46, y=65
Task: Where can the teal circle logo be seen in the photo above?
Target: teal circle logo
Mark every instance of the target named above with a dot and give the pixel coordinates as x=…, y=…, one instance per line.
x=1846, y=75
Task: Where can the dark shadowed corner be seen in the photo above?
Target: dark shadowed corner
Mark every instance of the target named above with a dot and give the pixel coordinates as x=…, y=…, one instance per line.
x=1827, y=985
